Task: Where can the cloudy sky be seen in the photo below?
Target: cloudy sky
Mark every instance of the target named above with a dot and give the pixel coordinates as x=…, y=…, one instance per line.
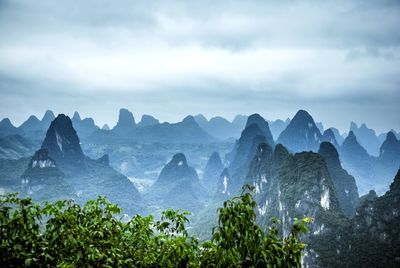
x=340, y=60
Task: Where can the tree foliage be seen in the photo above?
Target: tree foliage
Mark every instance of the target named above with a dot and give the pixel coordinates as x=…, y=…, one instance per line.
x=65, y=234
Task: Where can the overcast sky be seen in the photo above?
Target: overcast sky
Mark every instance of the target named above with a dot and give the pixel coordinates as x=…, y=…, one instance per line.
x=340, y=60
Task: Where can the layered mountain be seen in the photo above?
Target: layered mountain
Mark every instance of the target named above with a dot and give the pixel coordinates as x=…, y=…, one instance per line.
x=382, y=136
x=278, y=126
x=15, y=147
x=7, y=128
x=242, y=154
x=329, y=136
x=82, y=179
x=345, y=184
x=84, y=127
x=263, y=125
x=148, y=120
x=62, y=142
x=212, y=173
x=126, y=122
x=367, y=138
x=301, y=134
x=178, y=186
x=339, y=138
x=220, y=127
x=389, y=152
x=358, y=162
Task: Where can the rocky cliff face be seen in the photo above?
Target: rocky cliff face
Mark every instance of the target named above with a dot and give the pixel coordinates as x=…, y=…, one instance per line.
x=345, y=184
x=375, y=239
x=62, y=143
x=291, y=186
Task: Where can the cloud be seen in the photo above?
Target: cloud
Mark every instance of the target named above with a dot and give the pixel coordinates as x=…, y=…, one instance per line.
x=229, y=54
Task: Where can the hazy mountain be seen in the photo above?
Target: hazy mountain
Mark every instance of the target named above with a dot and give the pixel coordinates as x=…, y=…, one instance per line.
x=263, y=125
x=320, y=126
x=382, y=136
x=345, y=184
x=220, y=127
x=84, y=127
x=339, y=138
x=241, y=156
x=148, y=120
x=177, y=186
x=301, y=134
x=126, y=122
x=15, y=147
x=367, y=138
x=7, y=128
x=105, y=127
x=329, y=136
x=358, y=162
x=278, y=126
x=212, y=173
x=31, y=126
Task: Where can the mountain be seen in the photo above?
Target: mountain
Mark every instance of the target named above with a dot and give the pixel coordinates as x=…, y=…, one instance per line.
x=62, y=142
x=389, y=152
x=367, y=138
x=278, y=126
x=187, y=131
x=212, y=173
x=263, y=125
x=345, y=184
x=301, y=134
x=31, y=126
x=126, y=122
x=15, y=147
x=47, y=118
x=7, y=128
x=241, y=156
x=320, y=126
x=105, y=127
x=358, y=162
x=59, y=170
x=329, y=136
x=177, y=186
x=291, y=186
x=375, y=240
x=43, y=178
x=148, y=120
x=339, y=138
x=220, y=127
x=84, y=127
x=382, y=136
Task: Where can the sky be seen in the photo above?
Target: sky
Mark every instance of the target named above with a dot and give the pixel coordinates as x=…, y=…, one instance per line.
x=339, y=60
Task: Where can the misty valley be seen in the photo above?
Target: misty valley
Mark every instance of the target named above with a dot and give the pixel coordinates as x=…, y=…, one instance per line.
x=347, y=183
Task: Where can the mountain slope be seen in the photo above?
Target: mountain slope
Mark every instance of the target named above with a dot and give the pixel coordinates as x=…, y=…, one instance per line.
x=301, y=134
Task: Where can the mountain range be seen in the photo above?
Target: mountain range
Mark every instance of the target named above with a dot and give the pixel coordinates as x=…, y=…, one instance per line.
x=295, y=167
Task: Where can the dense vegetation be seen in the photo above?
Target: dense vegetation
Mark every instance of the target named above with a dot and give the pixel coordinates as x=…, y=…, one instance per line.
x=65, y=234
